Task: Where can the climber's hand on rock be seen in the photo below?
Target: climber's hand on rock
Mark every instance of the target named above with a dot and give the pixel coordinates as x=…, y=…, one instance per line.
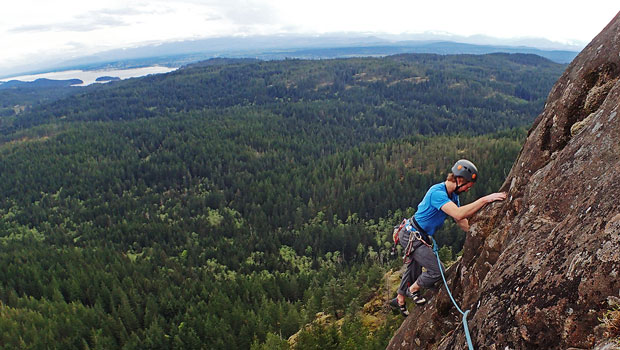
x=499, y=196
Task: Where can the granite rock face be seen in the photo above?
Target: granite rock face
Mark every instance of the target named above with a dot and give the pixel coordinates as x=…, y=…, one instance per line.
x=539, y=269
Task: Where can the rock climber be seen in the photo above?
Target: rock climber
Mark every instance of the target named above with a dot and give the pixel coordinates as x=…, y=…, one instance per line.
x=440, y=201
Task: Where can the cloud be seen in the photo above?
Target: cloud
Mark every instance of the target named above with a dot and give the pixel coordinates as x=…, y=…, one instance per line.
x=250, y=12
x=83, y=23
x=236, y=15
x=238, y=12
x=124, y=11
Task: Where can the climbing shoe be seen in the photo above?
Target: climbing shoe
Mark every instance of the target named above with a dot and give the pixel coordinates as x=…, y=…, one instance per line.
x=396, y=307
x=416, y=297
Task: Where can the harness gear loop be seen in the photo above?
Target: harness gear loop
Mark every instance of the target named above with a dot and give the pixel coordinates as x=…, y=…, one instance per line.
x=465, y=327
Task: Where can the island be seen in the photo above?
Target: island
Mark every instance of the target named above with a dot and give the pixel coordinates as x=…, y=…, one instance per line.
x=106, y=79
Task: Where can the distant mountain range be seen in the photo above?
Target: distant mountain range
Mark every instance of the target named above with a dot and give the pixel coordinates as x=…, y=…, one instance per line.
x=176, y=54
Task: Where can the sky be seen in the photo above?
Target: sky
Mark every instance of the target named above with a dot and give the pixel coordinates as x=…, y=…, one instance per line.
x=34, y=32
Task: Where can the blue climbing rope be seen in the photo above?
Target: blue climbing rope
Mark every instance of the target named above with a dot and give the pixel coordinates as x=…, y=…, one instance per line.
x=467, y=336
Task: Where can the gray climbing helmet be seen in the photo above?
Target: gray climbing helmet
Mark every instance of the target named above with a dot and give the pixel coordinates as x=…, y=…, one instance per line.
x=465, y=169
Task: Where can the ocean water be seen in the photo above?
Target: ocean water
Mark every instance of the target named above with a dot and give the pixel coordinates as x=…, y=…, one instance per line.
x=89, y=76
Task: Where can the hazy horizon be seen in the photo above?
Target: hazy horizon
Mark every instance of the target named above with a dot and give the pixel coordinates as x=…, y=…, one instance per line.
x=45, y=33
x=228, y=45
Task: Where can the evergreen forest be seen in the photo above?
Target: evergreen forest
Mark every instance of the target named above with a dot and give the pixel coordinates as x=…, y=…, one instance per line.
x=230, y=203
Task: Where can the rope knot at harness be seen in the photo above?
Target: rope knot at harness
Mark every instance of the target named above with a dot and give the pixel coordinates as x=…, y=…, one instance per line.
x=465, y=313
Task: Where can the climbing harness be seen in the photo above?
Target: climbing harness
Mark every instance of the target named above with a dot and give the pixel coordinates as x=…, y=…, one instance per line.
x=465, y=327
x=411, y=226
